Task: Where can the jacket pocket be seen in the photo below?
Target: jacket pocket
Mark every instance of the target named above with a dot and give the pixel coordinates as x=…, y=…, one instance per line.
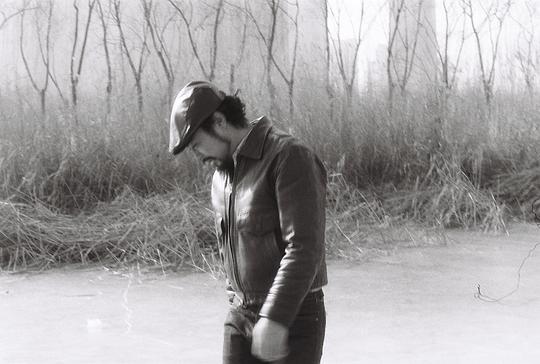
x=256, y=223
x=259, y=254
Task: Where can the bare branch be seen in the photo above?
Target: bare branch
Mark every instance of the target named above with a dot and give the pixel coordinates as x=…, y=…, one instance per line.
x=91, y=5
x=268, y=38
x=105, y=41
x=192, y=42
x=44, y=52
x=23, y=54
x=390, y=47
x=157, y=39
x=525, y=53
x=487, y=70
x=6, y=19
x=348, y=70
x=256, y=23
x=136, y=69
x=75, y=71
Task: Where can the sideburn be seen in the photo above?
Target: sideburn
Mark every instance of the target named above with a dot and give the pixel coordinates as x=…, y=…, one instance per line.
x=211, y=131
x=227, y=165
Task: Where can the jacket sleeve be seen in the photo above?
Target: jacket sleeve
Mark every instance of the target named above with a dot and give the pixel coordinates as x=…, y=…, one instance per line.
x=300, y=190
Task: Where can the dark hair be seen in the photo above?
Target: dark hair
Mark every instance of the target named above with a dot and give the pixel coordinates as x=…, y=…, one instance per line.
x=234, y=111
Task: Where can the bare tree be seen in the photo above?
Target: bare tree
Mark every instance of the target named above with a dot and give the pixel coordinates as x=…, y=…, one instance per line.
x=527, y=55
x=158, y=41
x=396, y=12
x=208, y=71
x=6, y=18
x=494, y=16
x=237, y=61
x=136, y=65
x=45, y=53
x=327, y=59
x=448, y=65
x=76, y=70
x=348, y=68
x=405, y=60
x=268, y=37
x=105, y=42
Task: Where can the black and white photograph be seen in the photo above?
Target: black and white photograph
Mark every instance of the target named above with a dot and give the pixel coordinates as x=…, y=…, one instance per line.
x=269, y=181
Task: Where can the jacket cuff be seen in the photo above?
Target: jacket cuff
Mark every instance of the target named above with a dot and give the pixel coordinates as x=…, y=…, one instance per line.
x=281, y=312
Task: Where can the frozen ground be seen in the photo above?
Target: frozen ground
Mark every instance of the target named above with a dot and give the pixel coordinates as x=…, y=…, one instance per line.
x=415, y=306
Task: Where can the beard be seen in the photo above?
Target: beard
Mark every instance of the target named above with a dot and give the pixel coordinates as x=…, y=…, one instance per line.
x=223, y=166
x=226, y=166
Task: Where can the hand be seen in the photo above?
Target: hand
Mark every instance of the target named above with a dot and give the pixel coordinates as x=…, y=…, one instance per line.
x=269, y=342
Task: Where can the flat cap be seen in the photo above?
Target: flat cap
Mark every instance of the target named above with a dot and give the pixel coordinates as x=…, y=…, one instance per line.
x=193, y=105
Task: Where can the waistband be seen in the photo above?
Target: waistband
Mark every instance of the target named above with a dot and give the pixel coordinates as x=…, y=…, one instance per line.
x=250, y=300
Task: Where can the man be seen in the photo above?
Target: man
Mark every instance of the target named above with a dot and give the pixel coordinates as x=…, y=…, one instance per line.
x=268, y=195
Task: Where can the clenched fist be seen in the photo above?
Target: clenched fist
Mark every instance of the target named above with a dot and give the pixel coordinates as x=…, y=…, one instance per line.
x=269, y=342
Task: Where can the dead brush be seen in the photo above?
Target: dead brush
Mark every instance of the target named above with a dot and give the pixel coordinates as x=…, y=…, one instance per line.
x=359, y=227
x=446, y=197
x=519, y=188
x=164, y=230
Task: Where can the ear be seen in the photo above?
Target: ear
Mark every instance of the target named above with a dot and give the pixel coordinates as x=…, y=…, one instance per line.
x=220, y=121
x=220, y=127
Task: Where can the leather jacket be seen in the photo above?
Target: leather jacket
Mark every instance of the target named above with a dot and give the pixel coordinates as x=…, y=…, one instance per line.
x=270, y=221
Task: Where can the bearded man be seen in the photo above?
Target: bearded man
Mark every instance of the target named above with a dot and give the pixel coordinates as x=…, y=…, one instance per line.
x=268, y=195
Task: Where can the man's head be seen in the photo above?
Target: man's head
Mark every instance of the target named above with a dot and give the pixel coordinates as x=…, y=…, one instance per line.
x=209, y=122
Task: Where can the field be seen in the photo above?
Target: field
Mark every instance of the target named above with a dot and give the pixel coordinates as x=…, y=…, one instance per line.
x=106, y=190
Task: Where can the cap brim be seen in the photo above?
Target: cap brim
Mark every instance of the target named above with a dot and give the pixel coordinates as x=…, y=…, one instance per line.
x=180, y=148
x=184, y=141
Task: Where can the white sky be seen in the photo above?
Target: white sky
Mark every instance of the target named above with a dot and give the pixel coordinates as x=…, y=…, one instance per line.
x=376, y=26
x=375, y=32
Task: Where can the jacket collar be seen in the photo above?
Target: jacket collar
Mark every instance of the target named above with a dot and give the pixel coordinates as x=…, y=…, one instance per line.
x=254, y=144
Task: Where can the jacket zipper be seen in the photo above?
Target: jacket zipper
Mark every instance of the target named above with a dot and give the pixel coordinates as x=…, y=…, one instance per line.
x=232, y=236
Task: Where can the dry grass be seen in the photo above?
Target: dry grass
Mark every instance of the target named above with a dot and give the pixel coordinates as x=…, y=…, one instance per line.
x=176, y=229
x=522, y=188
x=359, y=227
x=107, y=191
x=445, y=196
x=166, y=231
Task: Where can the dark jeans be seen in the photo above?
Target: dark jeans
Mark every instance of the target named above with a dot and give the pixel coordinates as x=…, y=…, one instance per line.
x=306, y=334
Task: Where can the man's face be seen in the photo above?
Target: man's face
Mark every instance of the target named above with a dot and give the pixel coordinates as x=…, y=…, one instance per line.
x=212, y=149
